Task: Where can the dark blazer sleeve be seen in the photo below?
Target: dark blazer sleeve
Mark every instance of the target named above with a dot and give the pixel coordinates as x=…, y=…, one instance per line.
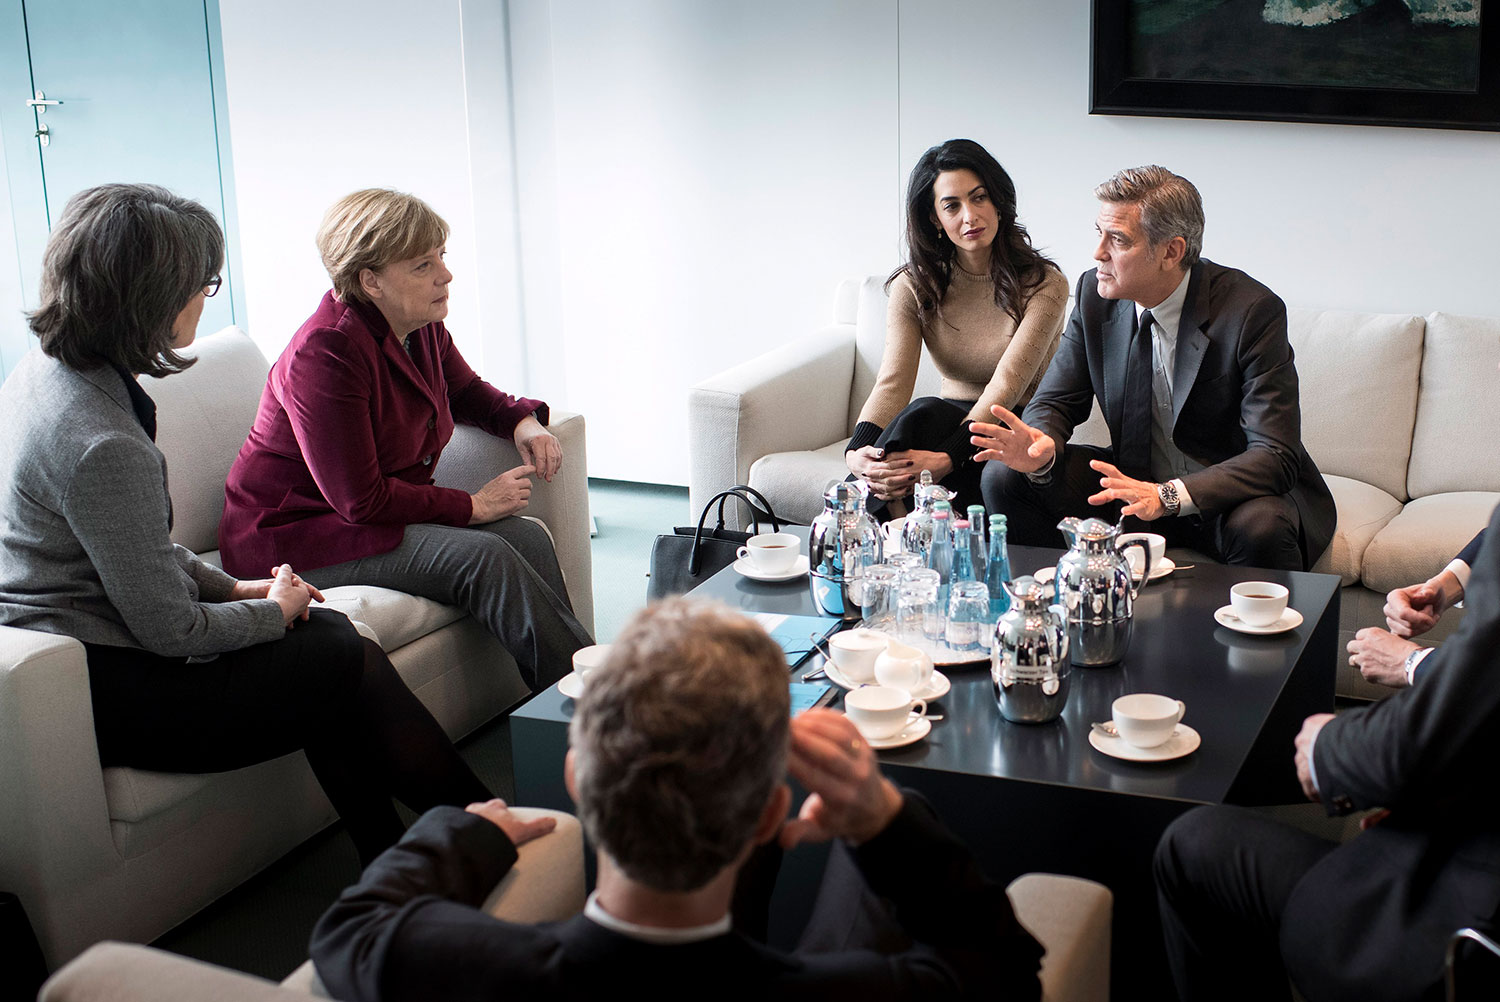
x=1428, y=746
x=1270, y=412
x=958, y=915
x=1066, y=394
x=1470, y=553
x=411, y=927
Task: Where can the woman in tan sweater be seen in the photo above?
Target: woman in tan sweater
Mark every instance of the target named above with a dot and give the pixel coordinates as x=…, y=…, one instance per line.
x=987, y=305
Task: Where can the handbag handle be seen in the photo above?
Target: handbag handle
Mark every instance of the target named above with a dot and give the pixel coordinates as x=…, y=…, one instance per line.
x=737, y=491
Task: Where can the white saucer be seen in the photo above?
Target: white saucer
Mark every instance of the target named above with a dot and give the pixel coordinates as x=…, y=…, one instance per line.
x=1183, y=741
x=571, y=685
x=1159, y=570
x=798, y=569
x=1044, y=575
x=915, y=731
x=1290, y=620
x=937, y=687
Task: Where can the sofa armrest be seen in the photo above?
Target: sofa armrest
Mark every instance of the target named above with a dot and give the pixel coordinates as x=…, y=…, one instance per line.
x=54, y=825
x=473, y=458
x=792, y=398
x=126, y=972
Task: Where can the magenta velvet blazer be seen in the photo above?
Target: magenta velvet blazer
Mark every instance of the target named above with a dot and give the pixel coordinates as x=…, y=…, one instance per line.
x=350, y=427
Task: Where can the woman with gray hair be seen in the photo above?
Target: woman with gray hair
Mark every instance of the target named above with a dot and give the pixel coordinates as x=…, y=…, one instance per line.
x=190, y=669
x=337, y=472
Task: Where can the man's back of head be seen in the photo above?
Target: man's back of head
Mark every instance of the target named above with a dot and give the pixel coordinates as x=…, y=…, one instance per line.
x=679, y=741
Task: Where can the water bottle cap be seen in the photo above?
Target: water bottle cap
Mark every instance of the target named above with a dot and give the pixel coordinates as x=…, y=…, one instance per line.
x=997, y=520
x=960, y=523
x=940, y=513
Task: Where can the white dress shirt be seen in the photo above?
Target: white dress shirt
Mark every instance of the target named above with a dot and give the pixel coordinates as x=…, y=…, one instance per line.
x=594, y=912
x=1167, y=318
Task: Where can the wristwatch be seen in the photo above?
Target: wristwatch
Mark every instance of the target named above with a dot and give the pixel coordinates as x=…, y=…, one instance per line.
x=1169, y=499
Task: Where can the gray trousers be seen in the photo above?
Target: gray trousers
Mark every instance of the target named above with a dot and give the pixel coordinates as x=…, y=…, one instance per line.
x=504, y=573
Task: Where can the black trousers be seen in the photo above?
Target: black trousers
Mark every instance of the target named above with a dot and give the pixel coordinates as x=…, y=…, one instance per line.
x=1223, y=879
x=321, y=688
x=926, y=423
x=1261, y=532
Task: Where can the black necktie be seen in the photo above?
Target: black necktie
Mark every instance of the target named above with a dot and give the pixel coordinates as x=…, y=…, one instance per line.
x=1133, y=454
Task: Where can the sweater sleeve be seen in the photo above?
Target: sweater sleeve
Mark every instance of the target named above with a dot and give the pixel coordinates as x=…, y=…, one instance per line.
x=898, y=364
x=1031, y=347
x=115, y=485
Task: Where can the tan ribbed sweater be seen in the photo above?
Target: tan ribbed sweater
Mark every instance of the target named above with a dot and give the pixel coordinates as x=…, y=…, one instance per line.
x=980, y=351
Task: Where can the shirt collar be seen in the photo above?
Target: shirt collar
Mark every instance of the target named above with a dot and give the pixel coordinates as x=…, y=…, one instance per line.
x=594, y=912
x=1168, y=314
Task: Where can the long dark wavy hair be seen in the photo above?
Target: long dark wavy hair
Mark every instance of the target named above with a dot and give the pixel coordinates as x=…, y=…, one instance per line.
x=1016, y=267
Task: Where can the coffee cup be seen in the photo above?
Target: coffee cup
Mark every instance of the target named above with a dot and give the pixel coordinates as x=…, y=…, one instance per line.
x=587, y=659
x=1155, y=542
x=1146, y=720
x=882, y=711
x=854, y=653
x=771, y=552
x=901, y=666
x=1258, y=603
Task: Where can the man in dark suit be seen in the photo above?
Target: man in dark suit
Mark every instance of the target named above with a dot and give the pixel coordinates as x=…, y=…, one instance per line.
x=1386, y=656
x=681, y=743
x=1190, y=365
x=1247, y=901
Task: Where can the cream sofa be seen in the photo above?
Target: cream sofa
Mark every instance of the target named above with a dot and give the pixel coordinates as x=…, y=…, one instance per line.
x=126, y=854
x=1401, y=413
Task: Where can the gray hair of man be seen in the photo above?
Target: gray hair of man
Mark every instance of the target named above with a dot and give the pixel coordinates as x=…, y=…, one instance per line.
x=1170, y=206
x=679, y=741
x=122, y=262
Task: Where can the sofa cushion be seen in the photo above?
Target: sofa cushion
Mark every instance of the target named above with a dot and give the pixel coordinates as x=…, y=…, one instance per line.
x=202, y=418
x=1358, y=379
x=795, y=481
x=1458, y=410
x=1428, y=533
x=869, y=345
x=396, y=617
x=137, y=794
x=1363, y=510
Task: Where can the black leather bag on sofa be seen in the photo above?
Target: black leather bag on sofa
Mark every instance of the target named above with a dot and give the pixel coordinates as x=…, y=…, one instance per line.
x=689, y=556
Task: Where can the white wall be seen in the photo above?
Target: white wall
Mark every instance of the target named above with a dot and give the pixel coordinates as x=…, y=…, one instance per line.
x=328, y=97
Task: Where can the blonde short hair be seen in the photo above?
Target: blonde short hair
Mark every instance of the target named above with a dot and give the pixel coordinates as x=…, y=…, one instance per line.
x=372, y=228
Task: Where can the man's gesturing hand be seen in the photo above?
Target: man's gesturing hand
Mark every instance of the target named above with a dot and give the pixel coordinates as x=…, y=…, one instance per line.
x=1140, y=496
x=1014, y=442
x=848, y=797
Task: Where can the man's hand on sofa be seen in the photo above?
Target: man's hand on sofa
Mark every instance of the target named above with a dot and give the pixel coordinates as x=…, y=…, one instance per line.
x=1415, y=609
x=1380, y=656
x=519, y=832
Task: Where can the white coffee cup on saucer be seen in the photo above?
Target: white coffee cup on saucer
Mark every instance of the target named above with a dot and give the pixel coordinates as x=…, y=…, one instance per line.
x=903, y=667
x=771, y=552
x=1146, y=720
x=587, y=659
x=1258, y=603
x=854, y=653
x=1155, y=542
x=882, y=711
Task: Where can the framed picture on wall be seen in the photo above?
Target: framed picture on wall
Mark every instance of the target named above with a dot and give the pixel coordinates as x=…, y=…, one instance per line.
x=1430, y=63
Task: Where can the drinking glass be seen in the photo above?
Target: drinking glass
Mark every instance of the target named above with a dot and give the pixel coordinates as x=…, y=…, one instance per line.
x=878, y=598
x=968, y=615
x=919, y=616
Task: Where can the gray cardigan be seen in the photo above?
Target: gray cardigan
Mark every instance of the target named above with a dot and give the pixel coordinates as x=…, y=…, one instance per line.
x=84, y=521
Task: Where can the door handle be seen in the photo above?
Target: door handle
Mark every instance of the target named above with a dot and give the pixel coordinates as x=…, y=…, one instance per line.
x=40, y=103
x=44, y=134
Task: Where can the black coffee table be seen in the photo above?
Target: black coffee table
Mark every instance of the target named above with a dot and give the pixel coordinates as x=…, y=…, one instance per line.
x=1039, y=797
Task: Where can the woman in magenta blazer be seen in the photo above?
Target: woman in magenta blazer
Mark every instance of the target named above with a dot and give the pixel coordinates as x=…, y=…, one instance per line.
x=338, y=467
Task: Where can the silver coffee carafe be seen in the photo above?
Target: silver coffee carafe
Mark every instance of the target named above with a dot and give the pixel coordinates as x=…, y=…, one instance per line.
x=1029, y=663
x=843, y=542
x=916, y=531
x=1094, y=584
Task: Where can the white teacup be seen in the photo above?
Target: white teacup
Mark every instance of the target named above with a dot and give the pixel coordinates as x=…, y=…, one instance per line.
x=1155, y=542
x=1258, y=603
x=771, y=552
x=1146, y=720
x=854, y=653
x=903, y=667
x=586, y=659
x=881, y=711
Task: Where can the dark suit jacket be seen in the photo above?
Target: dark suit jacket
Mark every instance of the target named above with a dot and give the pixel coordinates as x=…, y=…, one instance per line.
x=410, y=929
x=340, y=458
x=1234, y=391
x=1370, y=920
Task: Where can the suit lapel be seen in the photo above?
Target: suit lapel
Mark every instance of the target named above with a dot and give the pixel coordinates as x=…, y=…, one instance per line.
x=1192, y=342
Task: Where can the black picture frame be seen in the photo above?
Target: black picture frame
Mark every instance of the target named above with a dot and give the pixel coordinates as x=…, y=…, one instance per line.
x=1112, y=91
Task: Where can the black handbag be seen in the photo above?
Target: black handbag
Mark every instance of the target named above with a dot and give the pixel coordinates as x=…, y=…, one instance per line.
x=689, y=556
